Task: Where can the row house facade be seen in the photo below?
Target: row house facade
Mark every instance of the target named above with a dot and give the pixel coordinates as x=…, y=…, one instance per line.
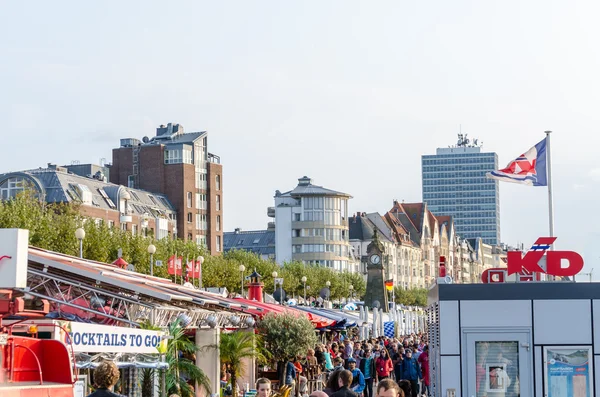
x=414, y=239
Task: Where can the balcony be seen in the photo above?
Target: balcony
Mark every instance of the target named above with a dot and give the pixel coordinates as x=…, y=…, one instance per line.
x=125, y=219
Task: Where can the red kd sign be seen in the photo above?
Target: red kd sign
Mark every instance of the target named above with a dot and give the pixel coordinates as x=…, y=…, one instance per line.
x=528, y=265
x=516, y=262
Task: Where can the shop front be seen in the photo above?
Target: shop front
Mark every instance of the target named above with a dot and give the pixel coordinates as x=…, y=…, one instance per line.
x=514, y=339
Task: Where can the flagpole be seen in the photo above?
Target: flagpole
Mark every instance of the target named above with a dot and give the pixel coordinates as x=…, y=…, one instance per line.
x=550, y=198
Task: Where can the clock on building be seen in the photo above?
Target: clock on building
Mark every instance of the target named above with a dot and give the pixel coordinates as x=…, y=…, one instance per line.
x=375, y=259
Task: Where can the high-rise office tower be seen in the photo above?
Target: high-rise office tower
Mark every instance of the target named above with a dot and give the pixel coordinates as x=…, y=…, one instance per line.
x=454, y=183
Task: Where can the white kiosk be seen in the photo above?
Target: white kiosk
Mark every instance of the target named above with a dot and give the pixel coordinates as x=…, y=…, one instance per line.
x=527, y=339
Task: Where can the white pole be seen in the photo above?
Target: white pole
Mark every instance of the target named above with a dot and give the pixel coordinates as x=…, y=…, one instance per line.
x=550, y=199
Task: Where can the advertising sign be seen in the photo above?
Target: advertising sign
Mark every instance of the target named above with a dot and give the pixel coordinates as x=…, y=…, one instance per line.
x=568, y=371
x=93, y=338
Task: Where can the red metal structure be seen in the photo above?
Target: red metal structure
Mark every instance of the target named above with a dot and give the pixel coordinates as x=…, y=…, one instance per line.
x=29, y=366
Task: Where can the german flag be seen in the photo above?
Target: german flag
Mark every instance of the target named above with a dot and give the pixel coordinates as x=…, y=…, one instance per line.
x=389, y=285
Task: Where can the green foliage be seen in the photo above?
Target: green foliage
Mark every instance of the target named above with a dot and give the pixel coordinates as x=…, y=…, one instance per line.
x=411, y=297
x=52, y=227
x=287, y=335
x=183, y=367
x=234, y=348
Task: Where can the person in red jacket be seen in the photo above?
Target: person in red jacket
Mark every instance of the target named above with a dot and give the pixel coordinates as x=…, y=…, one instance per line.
x=424, y=361
x=383, y=365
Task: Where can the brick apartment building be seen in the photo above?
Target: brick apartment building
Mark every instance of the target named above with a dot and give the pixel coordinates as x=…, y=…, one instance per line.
x=178, y=165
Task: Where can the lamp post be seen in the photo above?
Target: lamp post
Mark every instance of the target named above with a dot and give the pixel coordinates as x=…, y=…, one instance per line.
x=200, y=261
x=351, y=288
x=242, y=269
x=80, y=234
x=151, y=251
x=274, y=274
x=328, y=285
x=304, y=282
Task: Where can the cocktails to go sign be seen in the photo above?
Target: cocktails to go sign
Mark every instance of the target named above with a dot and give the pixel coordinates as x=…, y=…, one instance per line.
x=93, y=338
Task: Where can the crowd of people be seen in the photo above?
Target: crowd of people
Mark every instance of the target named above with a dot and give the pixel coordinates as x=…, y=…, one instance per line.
x=353, y=368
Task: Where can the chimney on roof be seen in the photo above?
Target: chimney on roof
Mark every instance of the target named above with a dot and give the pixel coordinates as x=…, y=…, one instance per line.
x=395, y=202
x=51, y=166
x=237, y=230
x=364, y=214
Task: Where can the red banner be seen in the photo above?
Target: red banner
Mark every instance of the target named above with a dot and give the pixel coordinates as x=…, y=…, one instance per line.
x=174, y=266
x=194, y=269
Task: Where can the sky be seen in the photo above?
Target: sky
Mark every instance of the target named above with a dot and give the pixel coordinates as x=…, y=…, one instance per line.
x=350, y=93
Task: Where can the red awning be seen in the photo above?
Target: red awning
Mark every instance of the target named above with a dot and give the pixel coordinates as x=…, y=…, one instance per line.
x=318, y=321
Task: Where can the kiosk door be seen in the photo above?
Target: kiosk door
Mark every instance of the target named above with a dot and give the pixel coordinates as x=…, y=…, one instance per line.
x=498, y=363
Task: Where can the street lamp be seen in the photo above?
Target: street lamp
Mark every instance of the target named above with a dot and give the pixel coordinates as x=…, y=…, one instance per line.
x=304, y=282
x=200, y=261
x=80, y=234
x=242, y=269
x=151, y=251
x=274, y=274
x=351, y=288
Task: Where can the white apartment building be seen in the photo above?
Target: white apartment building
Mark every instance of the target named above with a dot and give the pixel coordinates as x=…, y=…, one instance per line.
x=311, y=226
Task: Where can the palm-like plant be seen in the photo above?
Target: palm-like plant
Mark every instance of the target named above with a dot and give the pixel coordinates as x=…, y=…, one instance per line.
x=234, y=348
x=178, y=366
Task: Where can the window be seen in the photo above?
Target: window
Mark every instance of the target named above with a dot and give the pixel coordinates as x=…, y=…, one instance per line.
x=189, y=199
x=218, y=223
x=189, y=236
x=218, y=203
x=201, y=240
x=218, y=243
x=124, y=226
x=131, y=181
x=189, y=217
x=134, y=229
x=295, y=232
x=297, y=217
x=218, y=182
x=11, y=187
x=256, y=241
x=153, y=200
x=178, y=156
x=201, y=222
x=201, y=201
x=297, y=249
x=111, y=224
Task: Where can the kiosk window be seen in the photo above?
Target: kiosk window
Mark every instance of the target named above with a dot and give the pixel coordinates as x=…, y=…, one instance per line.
x=497, y=366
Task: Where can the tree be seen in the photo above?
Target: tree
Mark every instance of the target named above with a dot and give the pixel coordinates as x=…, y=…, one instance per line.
x=411, y=297
x=234, y=348
x=183, y=366
x=287, y=335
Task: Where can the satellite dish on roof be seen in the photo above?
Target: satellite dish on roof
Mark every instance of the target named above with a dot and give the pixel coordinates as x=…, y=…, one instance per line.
x=145, y=139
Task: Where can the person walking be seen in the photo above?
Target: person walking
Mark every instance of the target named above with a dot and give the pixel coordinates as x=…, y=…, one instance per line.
x=358, y=379
x=383, y=365
x=367, y=367
x=423, y=360
x=411, y=371
x=344, y=382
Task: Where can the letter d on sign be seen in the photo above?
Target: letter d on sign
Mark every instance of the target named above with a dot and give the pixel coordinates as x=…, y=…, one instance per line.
x=554, y=260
